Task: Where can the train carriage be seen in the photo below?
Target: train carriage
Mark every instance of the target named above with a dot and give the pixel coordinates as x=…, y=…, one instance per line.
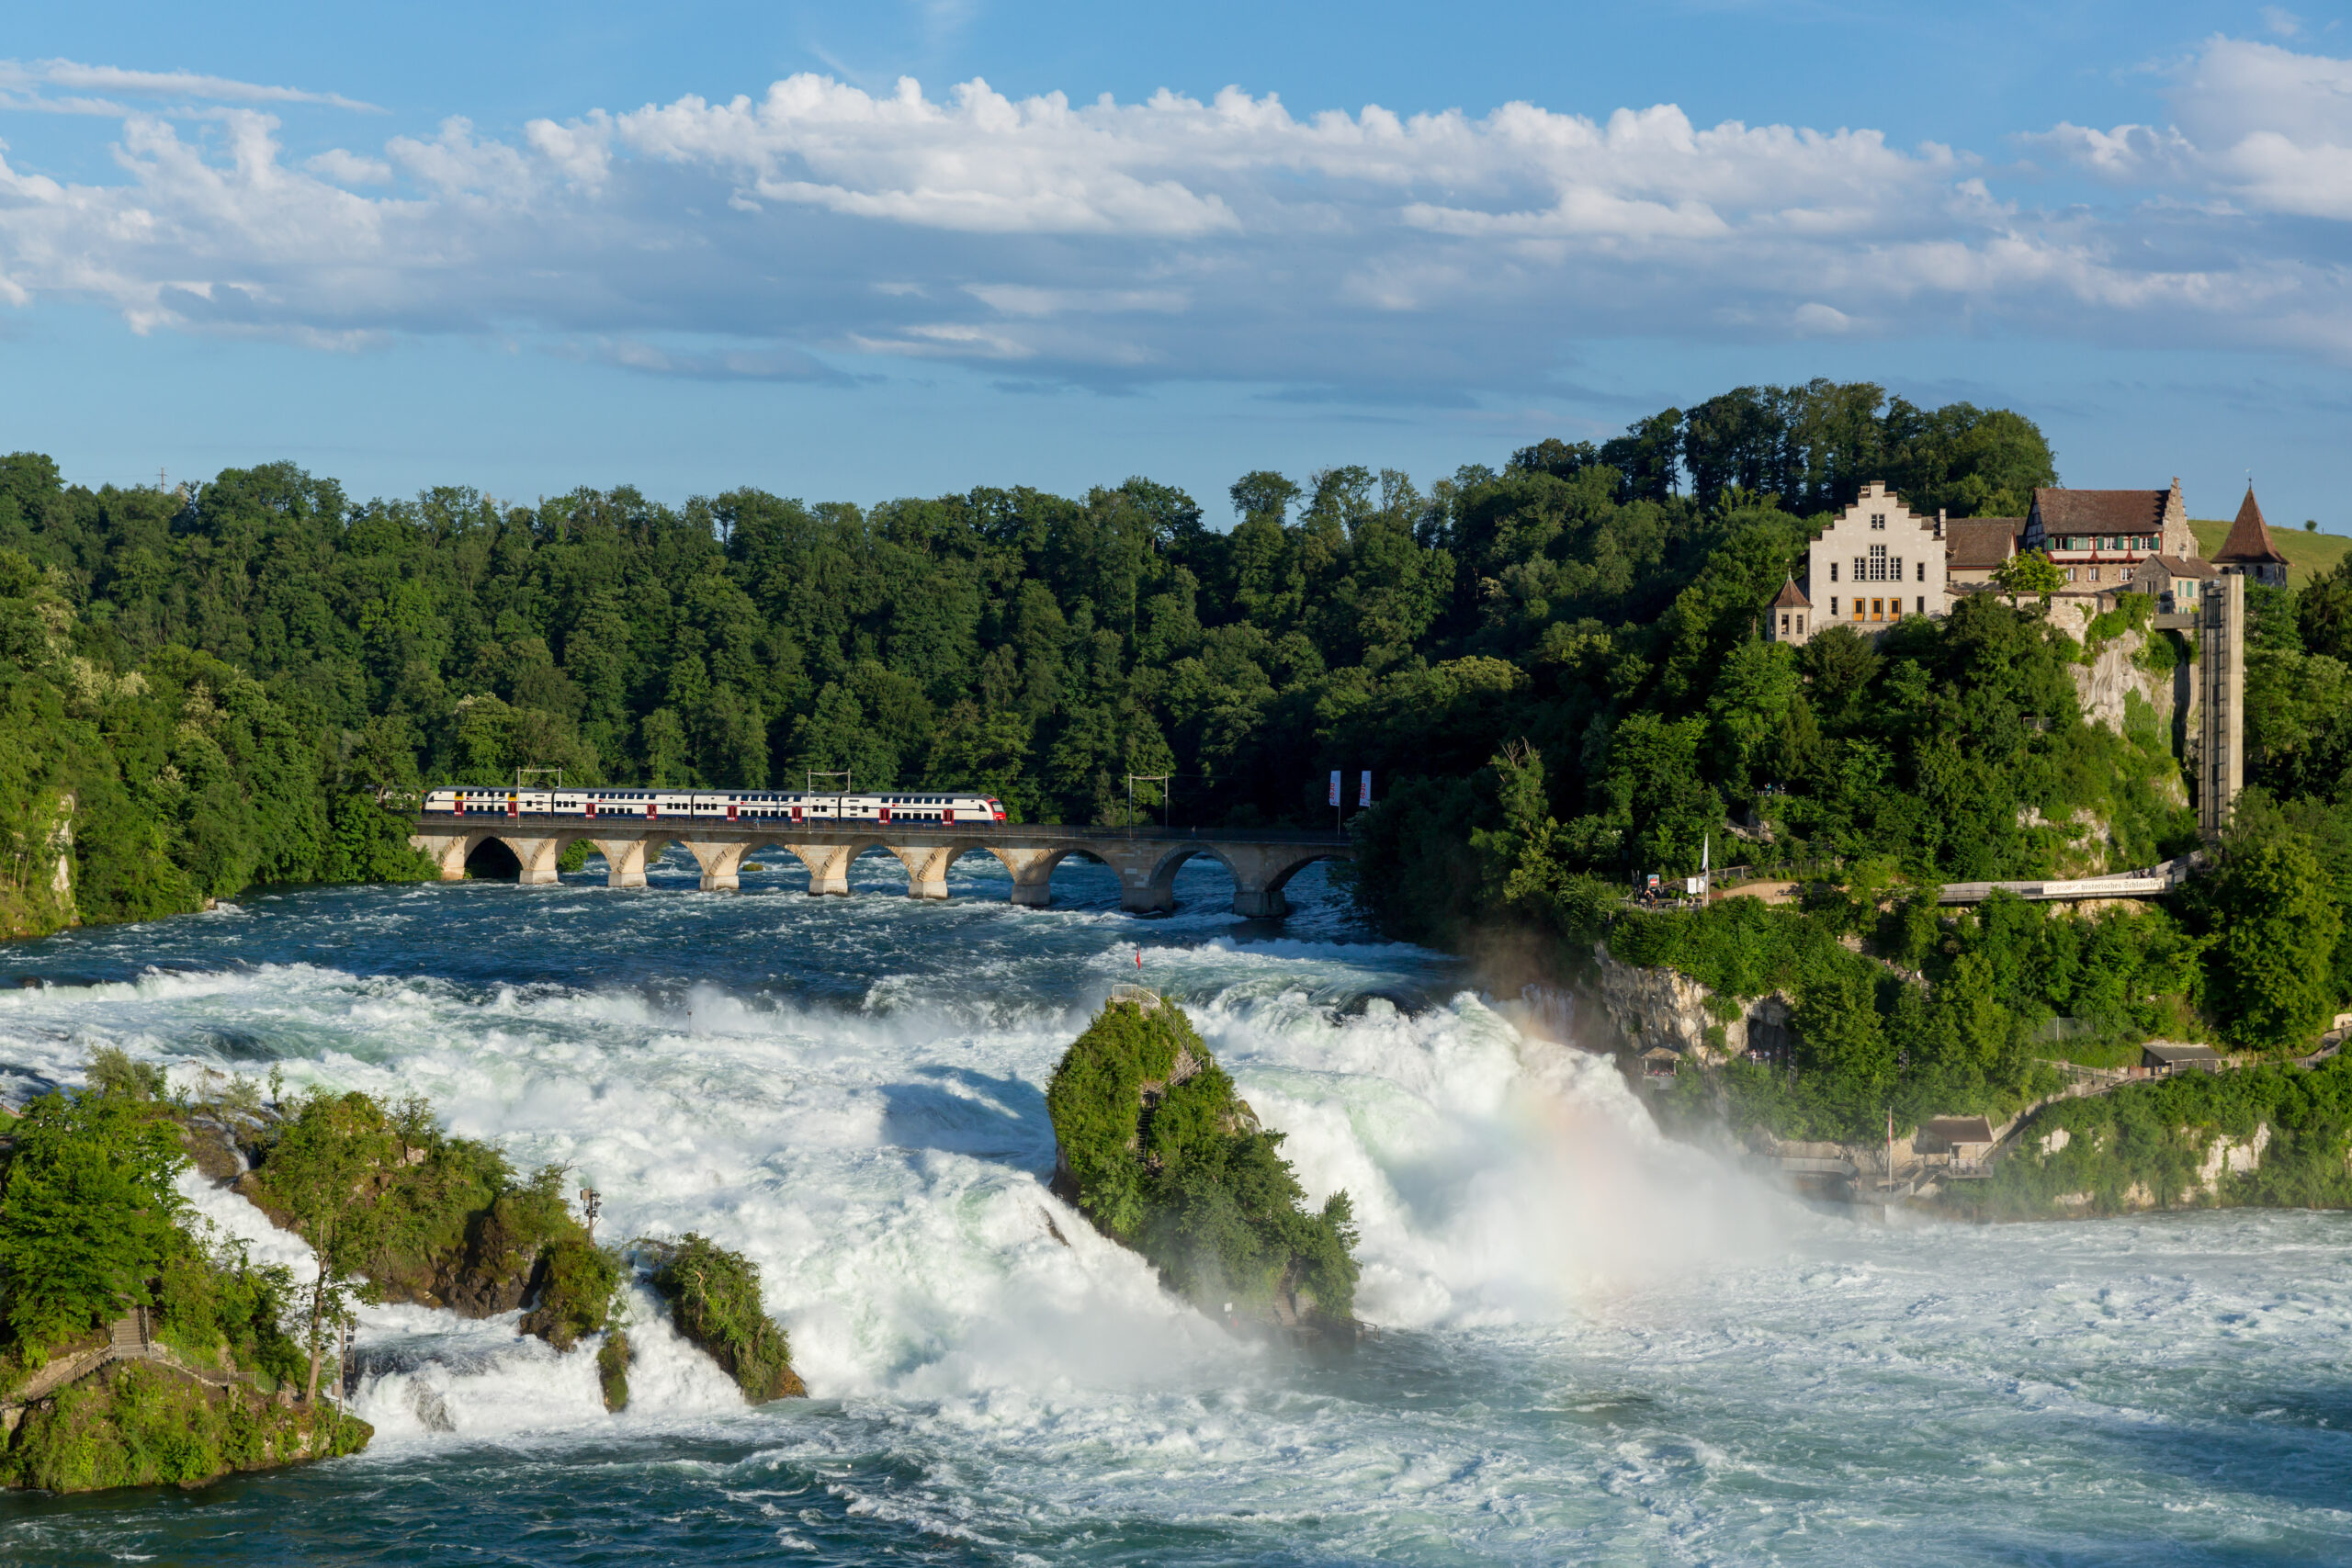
x=755, y=807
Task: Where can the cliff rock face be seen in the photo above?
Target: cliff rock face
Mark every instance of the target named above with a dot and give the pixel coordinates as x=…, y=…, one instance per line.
x=2115, y=675
x=1662, y=1007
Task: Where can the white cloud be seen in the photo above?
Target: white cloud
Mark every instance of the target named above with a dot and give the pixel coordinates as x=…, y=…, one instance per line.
x=32, y=77
x=1222, y=239
x=349, y=168
x=2263, y=127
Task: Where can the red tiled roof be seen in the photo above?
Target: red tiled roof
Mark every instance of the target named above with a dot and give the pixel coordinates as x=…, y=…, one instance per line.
x=1976, y=542
x=2249, y=538
x=1791, y=598
x=2102, y=511
x=2186, y=566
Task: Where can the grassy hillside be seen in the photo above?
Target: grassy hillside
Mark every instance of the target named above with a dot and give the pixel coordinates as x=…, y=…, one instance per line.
x=2308, y=555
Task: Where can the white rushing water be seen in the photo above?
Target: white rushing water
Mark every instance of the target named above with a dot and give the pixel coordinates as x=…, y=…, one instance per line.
x=1597, y=1343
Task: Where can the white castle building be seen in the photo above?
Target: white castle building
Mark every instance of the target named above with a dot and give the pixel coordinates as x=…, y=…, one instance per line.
x=1879, y=562
x=1876, y=563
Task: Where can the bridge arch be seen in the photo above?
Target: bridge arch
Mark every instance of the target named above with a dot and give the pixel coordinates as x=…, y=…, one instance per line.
x=492, y=858
x=1159, y=891
x=528, y=856
x=1277, y=904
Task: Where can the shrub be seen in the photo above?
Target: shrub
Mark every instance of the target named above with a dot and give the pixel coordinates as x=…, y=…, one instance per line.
x=714, y=1297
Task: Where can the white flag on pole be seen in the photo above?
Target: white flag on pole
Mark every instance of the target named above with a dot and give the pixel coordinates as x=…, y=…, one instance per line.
x=1335, y=787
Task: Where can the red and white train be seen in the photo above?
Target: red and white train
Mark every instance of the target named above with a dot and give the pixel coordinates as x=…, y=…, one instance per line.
x=758, y=808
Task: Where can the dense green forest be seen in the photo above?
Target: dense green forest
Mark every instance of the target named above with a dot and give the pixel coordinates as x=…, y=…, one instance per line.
x=221, y=676
x=1553, y=668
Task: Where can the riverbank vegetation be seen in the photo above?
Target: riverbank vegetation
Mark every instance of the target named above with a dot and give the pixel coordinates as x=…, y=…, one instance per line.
x=1160, y=1153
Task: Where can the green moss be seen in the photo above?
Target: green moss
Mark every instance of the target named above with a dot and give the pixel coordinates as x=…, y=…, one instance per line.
x=132, y=1425
x=1163, y=1157
x=714, y=1300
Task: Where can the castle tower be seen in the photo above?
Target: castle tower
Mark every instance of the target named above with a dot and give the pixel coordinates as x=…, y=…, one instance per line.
x=2248, y=552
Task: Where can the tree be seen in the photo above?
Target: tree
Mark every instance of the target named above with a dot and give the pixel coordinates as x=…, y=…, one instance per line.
x=88, y=1214
x=317, y=1172
x=2028, y=572
x=2276, y=927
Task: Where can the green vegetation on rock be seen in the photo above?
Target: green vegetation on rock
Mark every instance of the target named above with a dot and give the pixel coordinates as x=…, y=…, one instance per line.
x=135, y=1425
x=1164, y=1157
x=93, y=1231
x=2161, y=1145
x=715, y=1300
x=394, y=1209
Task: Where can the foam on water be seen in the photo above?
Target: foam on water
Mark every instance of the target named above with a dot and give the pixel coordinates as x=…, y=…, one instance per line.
x=1597, y=1343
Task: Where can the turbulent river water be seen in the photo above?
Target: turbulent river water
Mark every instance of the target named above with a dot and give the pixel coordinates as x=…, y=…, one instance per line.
x=1595, y=1345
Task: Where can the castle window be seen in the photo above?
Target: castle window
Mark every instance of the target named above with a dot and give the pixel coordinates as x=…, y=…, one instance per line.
x=1833, y=604
x=1833, y=571
x=1800, y=626
x=1923, y=604
x=1878, y=519
x=1877, y=565
x=2094, y=574
x=1785, y=626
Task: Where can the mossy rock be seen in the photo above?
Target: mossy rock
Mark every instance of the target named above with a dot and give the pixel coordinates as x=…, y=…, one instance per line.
x=135, y=1425
x=577, y=1286
x=612, y=1368
x=715, y=1300
x=1155, y=1146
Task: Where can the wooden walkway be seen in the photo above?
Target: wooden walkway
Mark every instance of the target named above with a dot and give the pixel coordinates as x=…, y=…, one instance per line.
x=129, y=1338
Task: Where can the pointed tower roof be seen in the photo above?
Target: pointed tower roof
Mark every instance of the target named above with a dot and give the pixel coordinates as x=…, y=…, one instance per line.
x=2249, y=539
x=1791, y=598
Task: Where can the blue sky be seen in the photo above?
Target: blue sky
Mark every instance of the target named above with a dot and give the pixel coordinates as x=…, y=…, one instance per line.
x=544, y=247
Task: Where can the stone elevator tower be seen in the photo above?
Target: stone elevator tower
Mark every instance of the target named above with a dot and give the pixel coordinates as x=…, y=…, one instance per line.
x=2221, y=670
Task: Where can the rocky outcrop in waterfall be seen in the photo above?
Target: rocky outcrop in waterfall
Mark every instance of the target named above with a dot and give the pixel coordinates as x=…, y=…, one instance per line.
x=1152, y=1143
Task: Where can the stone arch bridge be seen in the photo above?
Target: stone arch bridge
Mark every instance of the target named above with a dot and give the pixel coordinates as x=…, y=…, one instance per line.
x=1261, y=862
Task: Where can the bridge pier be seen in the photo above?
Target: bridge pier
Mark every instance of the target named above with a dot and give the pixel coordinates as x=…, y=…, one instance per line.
x=1033, y=874
x=828, y=866
x=538, y=856
x=624, y=861
x=721, y=861
x=927, y=867
x=1260, y=873
x=447, y=851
